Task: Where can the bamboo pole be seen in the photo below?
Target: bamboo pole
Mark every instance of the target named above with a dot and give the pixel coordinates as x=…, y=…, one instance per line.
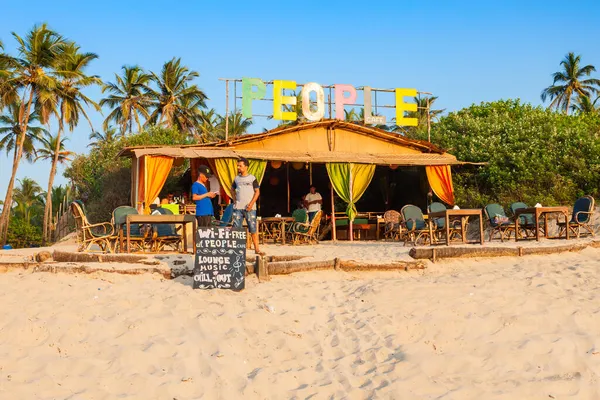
x=333, y=230
x=226, y=110
x=287, y=171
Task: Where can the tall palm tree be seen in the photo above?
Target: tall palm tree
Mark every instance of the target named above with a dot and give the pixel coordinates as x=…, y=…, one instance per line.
x=48, y=152
x=128, y=99
x=110, y=135
x=175, y=96
x=585, y=105
x=28, y=198
x=70, y=69
x=568, y=83
x=27, y=74
x=10, y=132
x=424, y=111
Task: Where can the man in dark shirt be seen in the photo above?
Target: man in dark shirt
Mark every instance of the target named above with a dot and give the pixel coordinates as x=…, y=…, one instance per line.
x=202, y=197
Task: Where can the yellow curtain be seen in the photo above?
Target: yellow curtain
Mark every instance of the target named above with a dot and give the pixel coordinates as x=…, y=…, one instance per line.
x=227, y=170
x=440, y=180
x=350, y=181
x=157, y=170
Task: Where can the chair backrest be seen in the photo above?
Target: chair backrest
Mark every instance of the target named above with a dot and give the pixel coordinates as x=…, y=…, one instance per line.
x=391, y=217
x=80, y=221
x=586, y=204
x=437, y=207
x=314, y=225
x=119, y=218
x=227, y=216
x=492, y=210
x=524, y=219
x=413, y=217
x=300, y=215
x=165, y=229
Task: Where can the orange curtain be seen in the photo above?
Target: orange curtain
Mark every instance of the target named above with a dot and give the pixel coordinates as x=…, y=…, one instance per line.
x=157, y=171
x=440, y=180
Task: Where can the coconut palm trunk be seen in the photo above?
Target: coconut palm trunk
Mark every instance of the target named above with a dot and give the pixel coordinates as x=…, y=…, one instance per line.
x=5, y=217
x=47, y=232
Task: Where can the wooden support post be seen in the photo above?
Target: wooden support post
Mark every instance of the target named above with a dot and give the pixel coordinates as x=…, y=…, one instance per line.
x=351, y=199
x=287, y=171
x=262, y=269
x=333, y=230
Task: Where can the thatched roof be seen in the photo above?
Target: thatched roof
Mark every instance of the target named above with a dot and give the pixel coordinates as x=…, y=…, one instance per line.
x=429, y=154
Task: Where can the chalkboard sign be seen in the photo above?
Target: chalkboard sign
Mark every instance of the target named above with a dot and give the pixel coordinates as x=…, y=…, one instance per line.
x=220, y=258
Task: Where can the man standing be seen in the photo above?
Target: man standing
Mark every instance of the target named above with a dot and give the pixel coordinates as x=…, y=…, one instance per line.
x=244, y=196
x=214, y=186
x=202, y=197
x=313, y=202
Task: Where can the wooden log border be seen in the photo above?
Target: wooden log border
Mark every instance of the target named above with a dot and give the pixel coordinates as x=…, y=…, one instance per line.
x=436, y=253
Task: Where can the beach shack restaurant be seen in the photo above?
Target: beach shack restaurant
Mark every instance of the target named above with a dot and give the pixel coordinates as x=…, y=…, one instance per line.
x=360, y=171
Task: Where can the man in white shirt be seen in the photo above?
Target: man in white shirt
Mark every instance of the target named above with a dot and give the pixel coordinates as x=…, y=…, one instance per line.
x=214, y=186
x=313, y=201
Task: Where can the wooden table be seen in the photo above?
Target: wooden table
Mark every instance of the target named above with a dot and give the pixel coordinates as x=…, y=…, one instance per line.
x=537, y=212
x=182, y=219
x=274, y=227
x=464, y=215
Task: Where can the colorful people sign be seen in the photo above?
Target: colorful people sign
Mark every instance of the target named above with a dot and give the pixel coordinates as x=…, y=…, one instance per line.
x=256, y=89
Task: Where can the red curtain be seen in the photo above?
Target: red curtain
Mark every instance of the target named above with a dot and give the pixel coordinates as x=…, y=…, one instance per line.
x=440, y=180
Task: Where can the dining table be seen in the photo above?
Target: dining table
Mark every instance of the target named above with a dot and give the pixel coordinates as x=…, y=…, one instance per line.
x=464, y=215
x=182, y=219
x=274, y=228
x=538, y=212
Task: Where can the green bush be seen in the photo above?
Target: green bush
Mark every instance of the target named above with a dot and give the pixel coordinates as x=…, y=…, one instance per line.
x=21, y=234
x=533, y=154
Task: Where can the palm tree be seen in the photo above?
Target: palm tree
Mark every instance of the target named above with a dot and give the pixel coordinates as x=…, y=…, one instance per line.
x=570, y=83
x=48, y=151
x=128, y=99
x=27, y=74
x=585, y=105
x=175, y=97
x=238, y=126
x=28, y=198
x=207, y=126
x=110, y=135
x=10, y=131
x=68, y=96
x=424, y=112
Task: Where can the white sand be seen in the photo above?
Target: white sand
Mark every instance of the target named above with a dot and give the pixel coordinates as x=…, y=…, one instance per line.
x=510, y=328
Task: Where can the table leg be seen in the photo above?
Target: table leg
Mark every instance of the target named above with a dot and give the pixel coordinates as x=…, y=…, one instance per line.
x=537, y=225
x=481, y=228
x=128, y=224
x=545, y=225
x=282, y=232
x=463, y=224
x=430, y=223
x=184, y=237
x=567, y=224
x=517, y=218
x=447, y=219
x=121, y=239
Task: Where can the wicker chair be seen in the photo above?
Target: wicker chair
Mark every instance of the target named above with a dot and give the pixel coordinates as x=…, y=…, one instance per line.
x=504, y=228
x=139, y=240
x=415, y=223
x=393, y=228
x=88, y=235
x=583, y=209
x=307, y=233
x=456, y=227
x=526, y=221
x=165, y=235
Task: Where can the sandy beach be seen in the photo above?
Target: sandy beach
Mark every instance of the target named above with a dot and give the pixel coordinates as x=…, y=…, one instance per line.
x=485, y=328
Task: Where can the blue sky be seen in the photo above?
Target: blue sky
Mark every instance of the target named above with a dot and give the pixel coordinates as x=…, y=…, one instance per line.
x=464, y=52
